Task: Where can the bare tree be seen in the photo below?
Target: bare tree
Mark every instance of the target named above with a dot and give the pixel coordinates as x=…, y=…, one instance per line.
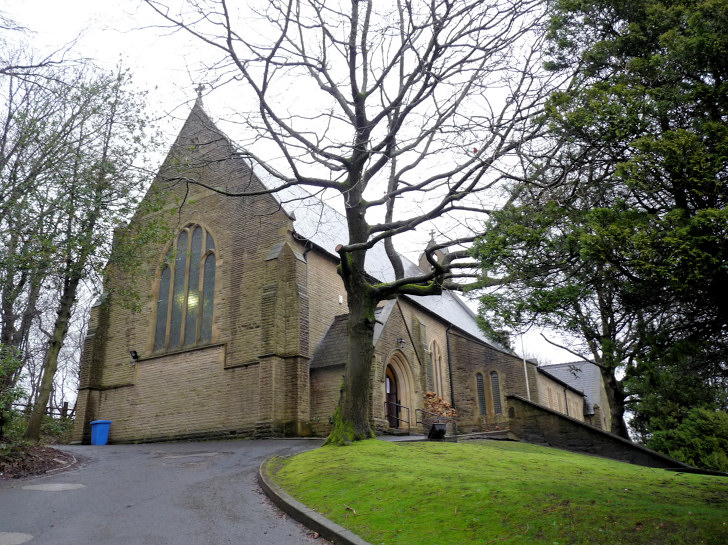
x=414, y=112
x=97, y=188
x=35, y=129
x=15, y=61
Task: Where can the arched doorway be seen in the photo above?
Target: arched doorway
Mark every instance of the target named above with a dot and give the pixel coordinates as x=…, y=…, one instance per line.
x=399, y=392
x=390, y=389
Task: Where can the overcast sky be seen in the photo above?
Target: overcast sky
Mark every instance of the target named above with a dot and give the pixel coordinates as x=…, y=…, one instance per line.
x=113, y=31
x=165, y=64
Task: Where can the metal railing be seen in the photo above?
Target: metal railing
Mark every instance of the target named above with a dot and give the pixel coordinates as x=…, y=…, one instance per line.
x=399, y=419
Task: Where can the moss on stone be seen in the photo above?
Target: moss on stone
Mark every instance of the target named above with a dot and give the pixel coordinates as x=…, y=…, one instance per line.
x=343, y=432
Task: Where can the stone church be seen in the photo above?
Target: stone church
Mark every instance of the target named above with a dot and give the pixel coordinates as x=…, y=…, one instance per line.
x=243, y=325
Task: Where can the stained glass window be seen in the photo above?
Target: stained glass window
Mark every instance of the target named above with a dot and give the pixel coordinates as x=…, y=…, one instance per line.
x=160, y=332
x=178, y=298
x=186, y=292
x=193, y=287
x=208, y=294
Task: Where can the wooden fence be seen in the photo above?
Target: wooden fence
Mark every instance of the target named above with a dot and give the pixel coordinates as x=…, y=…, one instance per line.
x=62, y=412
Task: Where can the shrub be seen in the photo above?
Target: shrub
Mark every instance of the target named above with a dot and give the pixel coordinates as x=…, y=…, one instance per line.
x=56, y=430
x=52, y=430
x=700, y=440
x=435, y=404
x=10, y=392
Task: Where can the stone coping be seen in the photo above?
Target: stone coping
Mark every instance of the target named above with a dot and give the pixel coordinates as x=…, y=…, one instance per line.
x=303, y=514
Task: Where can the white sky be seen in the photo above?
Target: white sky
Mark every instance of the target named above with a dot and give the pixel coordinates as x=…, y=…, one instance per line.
x=166, y=65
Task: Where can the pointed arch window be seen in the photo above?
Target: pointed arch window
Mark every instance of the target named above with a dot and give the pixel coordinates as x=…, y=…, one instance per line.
x=186, y=291
x=495, y=386
x=480, y=384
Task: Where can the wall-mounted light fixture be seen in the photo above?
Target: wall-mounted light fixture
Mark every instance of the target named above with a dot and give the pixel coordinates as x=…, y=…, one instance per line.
x=401, y=342
x=134, y=356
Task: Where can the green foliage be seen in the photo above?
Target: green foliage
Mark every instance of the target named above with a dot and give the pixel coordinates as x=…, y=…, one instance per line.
x=556, y=273
x=649, y=111
x=13, y=450
x=56, y=430
x=701, y=440
x=502, y=492
x=53, y=430
x=10, y=366
x=620, y=240
x=15, y=427
x=71, y=175
x=10, y=392
x=667, y=384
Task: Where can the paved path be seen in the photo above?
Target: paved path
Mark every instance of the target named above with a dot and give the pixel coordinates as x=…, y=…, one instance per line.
x=153, y=494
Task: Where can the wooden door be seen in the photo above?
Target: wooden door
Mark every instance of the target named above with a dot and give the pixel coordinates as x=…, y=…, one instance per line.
x=390, y=385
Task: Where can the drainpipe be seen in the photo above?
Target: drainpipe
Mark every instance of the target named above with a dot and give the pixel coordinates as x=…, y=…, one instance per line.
x=566, y=401
x=525, y=369
x=449, y=364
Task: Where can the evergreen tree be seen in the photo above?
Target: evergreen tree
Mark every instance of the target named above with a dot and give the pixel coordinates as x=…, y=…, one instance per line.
x=620, y=237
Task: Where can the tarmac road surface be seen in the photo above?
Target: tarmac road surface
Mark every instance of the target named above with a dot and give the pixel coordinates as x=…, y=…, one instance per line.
x=195, y=493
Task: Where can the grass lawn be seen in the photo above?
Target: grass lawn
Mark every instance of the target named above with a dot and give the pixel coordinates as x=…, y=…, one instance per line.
x=502, y=492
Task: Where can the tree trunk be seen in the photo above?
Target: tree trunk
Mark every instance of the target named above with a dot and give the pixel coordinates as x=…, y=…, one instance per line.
x=352, y=419
x=616, y=398
x=50, y=362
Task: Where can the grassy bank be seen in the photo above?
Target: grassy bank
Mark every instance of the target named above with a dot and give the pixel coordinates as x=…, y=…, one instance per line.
x=503, y=492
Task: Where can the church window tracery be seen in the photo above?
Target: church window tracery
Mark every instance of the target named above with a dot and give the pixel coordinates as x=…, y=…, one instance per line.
x=186, y=291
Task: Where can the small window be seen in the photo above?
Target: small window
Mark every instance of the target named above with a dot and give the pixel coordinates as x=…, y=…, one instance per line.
x=186, y=291
x=480, y=383
x=495, y=386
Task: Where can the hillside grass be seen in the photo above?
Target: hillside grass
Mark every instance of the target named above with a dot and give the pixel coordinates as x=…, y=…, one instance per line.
x=502, y=492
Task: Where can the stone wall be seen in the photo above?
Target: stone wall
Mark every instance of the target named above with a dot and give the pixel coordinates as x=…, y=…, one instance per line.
x=559, y=397
x=326, y=293
x=170, y=397
x=325, y=391
x=533, y=423
x=470, y=357
x=428, y=330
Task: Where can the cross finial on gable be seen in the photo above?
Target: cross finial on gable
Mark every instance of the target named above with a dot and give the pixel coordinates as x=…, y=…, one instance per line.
x=199, y=89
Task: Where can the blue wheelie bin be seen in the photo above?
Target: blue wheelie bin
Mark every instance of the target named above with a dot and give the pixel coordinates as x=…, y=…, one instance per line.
x=100, y=431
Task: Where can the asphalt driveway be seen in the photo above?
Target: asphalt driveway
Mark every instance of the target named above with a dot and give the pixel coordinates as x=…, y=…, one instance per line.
x=153, y=494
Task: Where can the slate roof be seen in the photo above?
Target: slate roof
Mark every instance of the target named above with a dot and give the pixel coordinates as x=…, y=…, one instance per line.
x=582, y=375
x=331, y=351
x=559, y=381
x=381, y=315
